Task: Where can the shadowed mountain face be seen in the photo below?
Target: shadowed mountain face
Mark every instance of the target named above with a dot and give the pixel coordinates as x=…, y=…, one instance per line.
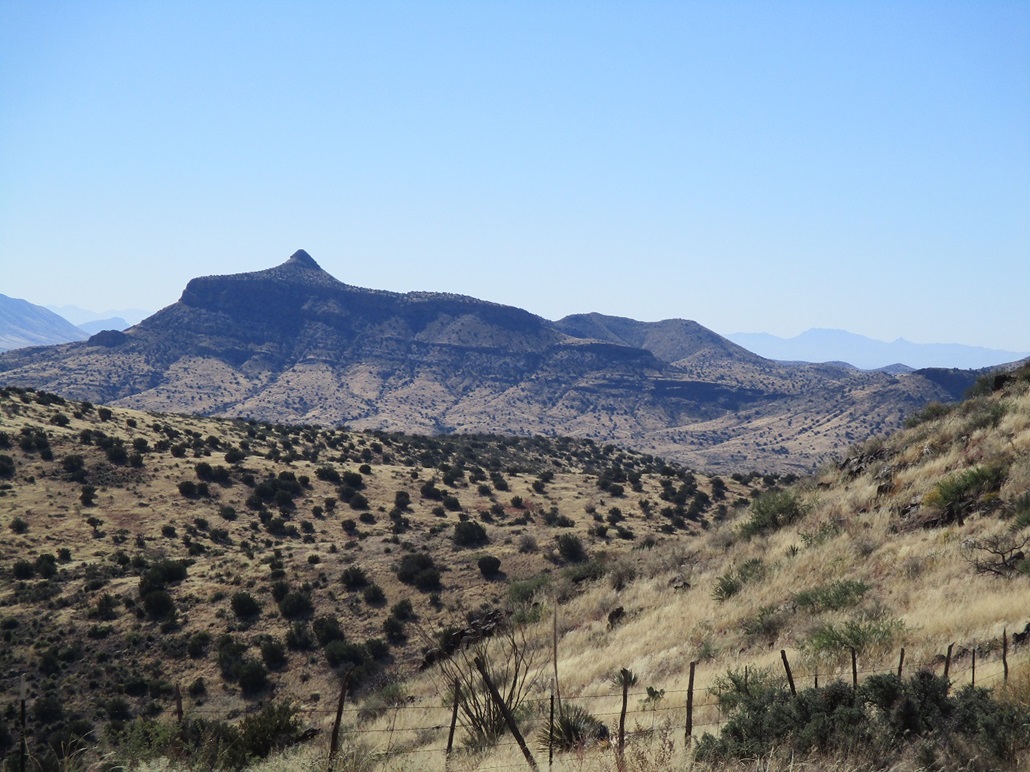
x=291, y=344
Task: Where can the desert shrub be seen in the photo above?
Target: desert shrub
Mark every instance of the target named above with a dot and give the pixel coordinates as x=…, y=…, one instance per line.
x=354, y=578
x=771, y=511
x=327, y=629
x=295, y=604
x=18, y=525
x=863, y=635
x=451, y=503
x=273, y=653
x=298, y=637
x=489, y=565
x=930, y=412
x=23, y=570
x=244, y=606
x=729, y=584
x=841, y=594
x=573, y=728
x=958, y=493
x=469, y=534
x=159, y=604
x=6, y=466
x=374, y=595
x=403, y=610
x=419, y=570
x=570, y=547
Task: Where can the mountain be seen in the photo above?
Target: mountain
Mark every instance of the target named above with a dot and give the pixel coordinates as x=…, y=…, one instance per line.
x=81, y=317
x=292, y=344
x=113, y=323
x=820, y=345
x=25, y=324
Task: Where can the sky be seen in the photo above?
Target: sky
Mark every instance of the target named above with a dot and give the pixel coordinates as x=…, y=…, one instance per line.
x=753, y=166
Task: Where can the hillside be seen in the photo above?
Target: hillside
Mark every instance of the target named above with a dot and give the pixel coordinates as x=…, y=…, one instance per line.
x=24, y=324
x=911, y=541
x=293, y=344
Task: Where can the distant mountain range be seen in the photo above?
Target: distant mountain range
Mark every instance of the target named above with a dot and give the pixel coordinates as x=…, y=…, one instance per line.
x=820, y=345
x=24, y=324
x=293, y=345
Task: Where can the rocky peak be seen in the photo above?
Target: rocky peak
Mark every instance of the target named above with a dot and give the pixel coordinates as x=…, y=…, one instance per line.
x=301, y=259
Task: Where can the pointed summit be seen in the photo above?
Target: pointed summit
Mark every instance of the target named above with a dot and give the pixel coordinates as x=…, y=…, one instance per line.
x=302, y=259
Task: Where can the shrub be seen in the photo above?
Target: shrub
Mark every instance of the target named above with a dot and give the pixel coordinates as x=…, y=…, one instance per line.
x=571, y=549
x=327, y=629
x=354, y=578
x=295, y=604
x=837, y=595
x=374, y=595
x=419, y=570
x=273, y=653
x=6, y=466
x=860, y=634
x=573, y=728
x=489, y=565
x=244, y=606
x=771, y=511
x=159, y=604
x=18, y=525
x=469, y=534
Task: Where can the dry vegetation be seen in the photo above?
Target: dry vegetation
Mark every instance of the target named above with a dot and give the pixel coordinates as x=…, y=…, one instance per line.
x=905, y=543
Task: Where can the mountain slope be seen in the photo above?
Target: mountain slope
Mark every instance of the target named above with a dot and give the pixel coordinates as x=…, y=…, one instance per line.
x=292, y=343
x=25, y=324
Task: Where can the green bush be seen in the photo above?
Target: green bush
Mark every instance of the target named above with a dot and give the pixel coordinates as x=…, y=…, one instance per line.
x=570, y=547
x=489, y=566
x=771, y=511
x=863, y=635
x=573, y=729
x=244, y=606
x=469, y=534
x=419, y=570
x=841, y=594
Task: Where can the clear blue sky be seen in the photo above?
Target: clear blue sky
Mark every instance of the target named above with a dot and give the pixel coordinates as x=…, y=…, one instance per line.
x=755, y=166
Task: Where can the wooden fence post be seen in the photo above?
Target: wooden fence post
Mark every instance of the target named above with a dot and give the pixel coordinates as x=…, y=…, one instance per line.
x=854, y=669
x=790, y=676
x=23, y=749
x=947, y=660
x=817, y=679
x=334, y=743
x=1005, y=652
x=901, y=662
x=454, y=716
x=974, y=666
x=178, y=704
x=689, y=730
x=501, y=706
x=622, y=718
x=550, y=734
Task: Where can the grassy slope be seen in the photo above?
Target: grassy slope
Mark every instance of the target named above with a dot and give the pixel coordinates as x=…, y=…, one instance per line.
x=863, y=522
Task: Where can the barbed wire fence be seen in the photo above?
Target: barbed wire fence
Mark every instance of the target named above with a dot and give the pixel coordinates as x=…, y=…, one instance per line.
x=653, y=712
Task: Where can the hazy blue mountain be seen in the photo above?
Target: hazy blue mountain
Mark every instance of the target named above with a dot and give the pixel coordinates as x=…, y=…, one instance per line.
x=821, y=345
x=81, y=316
x=25, y=324
x=114, y=323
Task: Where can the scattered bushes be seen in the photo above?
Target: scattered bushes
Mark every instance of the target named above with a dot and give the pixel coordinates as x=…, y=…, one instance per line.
x=571, y=549
x=489, y=566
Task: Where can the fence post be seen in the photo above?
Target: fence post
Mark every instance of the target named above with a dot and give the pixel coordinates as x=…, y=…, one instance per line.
x=947, y=660
x=334, y=743
x=689, y=730
x=790, y=676
x=1005, y=652
x=23, y=750
x=501, y=706
x=854, y=669
x=901, y=662
x=554, y=655
x=454, y=716
x=974, y=666
x=817, y=678
x=550, y=734
x=622, y=718
x=178, y=704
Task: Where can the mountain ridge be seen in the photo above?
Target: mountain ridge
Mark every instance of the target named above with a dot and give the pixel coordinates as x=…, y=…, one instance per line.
x=292, y=343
